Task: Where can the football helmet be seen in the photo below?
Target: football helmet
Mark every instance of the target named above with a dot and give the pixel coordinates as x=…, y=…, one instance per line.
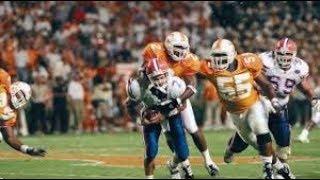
x=20, y=93
x=177, y=45
x=222, y=54
x=158, y=72
x=284, y=52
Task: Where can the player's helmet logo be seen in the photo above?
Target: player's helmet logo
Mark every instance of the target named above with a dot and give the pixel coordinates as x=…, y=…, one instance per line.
x=285, y=51
x=158, y=72
x=177, y=45
x=222, y=54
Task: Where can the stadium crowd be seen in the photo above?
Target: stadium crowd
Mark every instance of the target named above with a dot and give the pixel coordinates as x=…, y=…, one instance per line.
x=69, y=51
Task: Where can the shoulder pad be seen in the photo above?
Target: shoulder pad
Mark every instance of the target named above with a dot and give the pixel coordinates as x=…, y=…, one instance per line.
x=133, y=89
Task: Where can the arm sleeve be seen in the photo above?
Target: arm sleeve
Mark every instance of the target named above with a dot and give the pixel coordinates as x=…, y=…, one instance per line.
x=192, y=66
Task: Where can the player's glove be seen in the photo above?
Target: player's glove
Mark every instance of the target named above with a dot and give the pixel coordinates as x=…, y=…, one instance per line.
x=172, y=103
x=33, y=151
x=171, y=107
x=268, y=104
x=315, y=105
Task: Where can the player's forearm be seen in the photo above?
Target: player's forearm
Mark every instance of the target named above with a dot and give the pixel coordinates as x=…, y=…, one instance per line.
x=306, y=89
x=10, y=139
x=190, y=90
x=15, y=143
x=266, y=87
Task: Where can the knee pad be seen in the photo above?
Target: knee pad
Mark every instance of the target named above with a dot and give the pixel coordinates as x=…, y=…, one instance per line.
x=283, y=152
x=236, y=144
x=263, y=139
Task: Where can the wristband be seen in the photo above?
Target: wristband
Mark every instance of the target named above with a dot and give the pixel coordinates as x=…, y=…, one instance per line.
x=24, y=148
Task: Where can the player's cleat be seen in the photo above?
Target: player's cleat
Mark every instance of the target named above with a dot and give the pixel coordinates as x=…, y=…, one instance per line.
x=187, y=171
x=268, y=171
x=213, y=169
x=285, y=172
x=174, y=170
x=228, y=156
x=303, y=139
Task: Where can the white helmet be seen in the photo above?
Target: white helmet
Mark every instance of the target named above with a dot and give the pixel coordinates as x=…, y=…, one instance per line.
x=177, y=45
x=20, y=94
x=222, y=54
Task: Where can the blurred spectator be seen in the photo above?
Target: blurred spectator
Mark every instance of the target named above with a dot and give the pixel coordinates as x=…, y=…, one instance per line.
x=21, y=60
x=102, y=100
x=65, y=37
x=60, y=119
x=76, y=96
x=212, y=107
x=41, y=96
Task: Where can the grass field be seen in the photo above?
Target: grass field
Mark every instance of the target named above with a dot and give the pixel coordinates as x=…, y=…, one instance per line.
x=121, y=156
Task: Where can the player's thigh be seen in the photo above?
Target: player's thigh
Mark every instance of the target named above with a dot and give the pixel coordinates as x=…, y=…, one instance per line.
x=243, y=128
x=189, y=121
x=258, y=119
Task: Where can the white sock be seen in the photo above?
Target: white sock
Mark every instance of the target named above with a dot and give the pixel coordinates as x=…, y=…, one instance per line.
x=305, y=132
x=206, y=156
x=266, y=159
x=278, y=165
x=149, y=177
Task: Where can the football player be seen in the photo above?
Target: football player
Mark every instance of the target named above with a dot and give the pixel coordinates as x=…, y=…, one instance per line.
x=175, y=51
x=12, y=98
x=286, y=72
x=148, y=96
x=234, y=77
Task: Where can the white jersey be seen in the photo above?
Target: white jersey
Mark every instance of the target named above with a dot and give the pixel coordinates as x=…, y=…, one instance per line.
x=284, y=81
x=152, y=96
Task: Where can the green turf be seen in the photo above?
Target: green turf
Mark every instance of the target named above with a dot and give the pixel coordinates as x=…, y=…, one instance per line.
x=132, y=144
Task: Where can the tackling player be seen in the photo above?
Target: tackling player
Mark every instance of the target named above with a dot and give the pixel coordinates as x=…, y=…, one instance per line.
x=175, y=51
x=12, y=98
x=234, y=77
x=286, y=72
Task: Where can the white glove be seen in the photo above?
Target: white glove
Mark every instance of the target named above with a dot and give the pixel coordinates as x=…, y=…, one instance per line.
x=267, y=103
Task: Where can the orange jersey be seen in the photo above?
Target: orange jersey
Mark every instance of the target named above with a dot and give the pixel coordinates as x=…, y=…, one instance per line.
x=5, y=79
x=187, y=67
x=7, y=114
x=209, y=91
x=236, y=89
